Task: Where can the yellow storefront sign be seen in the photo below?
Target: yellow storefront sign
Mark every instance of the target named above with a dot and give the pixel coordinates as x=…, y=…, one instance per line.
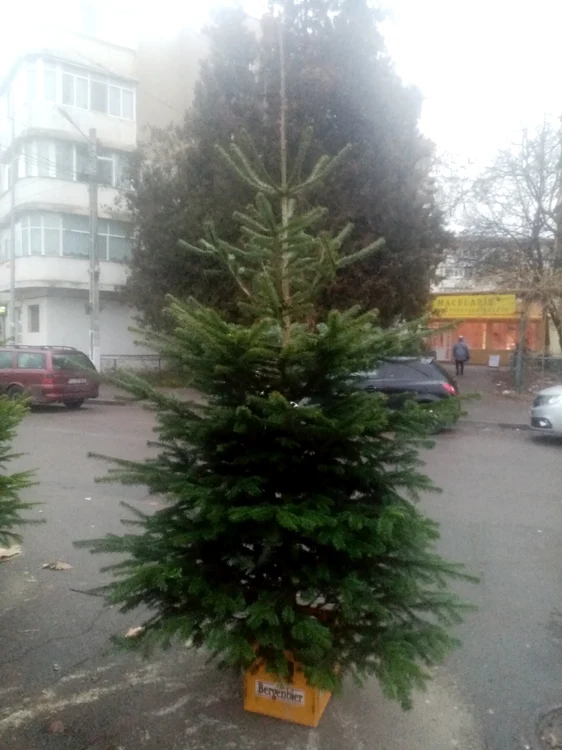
x=463, y=306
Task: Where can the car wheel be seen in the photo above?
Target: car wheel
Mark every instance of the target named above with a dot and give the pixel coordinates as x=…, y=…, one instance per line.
x=14, y=392
x=73, y=403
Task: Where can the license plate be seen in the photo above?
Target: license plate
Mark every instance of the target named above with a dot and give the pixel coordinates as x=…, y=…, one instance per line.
x=77, y=381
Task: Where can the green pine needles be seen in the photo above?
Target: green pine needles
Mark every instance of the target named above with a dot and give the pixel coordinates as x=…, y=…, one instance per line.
x=12, y=507
x=290, y=527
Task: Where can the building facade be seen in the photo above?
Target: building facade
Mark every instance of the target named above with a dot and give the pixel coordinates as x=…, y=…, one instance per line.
x=489, y=319
x=491, y=324
x=63, y=84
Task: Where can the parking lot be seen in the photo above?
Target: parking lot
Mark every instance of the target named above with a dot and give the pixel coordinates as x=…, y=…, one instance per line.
x=500, y=512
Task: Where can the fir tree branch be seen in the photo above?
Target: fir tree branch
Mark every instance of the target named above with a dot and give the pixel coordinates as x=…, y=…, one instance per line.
x=347, y=260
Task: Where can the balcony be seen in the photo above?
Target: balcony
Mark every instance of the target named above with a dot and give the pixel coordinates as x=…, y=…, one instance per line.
x=64, y=196
x=61, y=272
x=42, y=117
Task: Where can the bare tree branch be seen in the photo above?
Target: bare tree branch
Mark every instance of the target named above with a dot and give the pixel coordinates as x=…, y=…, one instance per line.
x=512, y=220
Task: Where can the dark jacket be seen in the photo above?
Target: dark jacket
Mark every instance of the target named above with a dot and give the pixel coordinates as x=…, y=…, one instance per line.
x=461, y=352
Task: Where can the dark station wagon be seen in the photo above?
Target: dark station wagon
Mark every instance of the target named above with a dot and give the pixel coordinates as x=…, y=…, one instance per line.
x=48, y=374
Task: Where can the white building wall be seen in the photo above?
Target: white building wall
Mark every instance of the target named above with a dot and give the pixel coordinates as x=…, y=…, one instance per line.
x=67, y=323
x=33, y=338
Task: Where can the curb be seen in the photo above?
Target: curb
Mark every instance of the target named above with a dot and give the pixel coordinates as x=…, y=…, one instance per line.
x=501, y=425
x=110, y=402
x=468, y=422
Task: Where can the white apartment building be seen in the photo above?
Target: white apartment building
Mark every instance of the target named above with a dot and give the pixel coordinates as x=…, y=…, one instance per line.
x=61, y=81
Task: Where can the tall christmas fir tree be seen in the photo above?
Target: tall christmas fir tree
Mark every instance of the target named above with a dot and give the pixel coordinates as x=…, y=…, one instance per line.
x=291, y=525
x=12, y=507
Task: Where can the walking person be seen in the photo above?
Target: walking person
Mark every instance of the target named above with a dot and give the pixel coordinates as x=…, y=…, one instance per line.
x=461, y=354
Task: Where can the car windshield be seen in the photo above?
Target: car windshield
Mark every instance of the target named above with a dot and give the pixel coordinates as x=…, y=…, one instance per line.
x=72, y=361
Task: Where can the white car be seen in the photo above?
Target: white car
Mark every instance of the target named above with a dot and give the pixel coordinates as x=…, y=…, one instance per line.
x=546, y=414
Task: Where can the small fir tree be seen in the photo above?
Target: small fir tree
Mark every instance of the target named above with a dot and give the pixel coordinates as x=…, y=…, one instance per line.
x=12, y=507
x=290, y=526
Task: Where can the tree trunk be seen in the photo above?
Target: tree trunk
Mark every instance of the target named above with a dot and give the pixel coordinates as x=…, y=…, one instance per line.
x=556, y=317
x=546, y=340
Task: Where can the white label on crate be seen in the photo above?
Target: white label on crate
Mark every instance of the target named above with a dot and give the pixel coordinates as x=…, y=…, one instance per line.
x=283, y=693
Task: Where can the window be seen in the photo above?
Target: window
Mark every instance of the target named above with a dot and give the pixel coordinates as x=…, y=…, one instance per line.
x=127, y=106
x=97, y=93
x=67, y=160
x=64, y=160
x=98, y=96
x=51, y=234
x=74, y=361
x=82, y=92
x=75, y=236
x=111, y=167
x=68, y=89
x=113, y=240
x=69, y=235
x=114, y=100
x=82, y=162
x=395, y=371
x=38, y=234
x=7, y=176
x=43, y=159
x=33, y=318
x=6, y=360
x=106, y=167
x=29, y=360
x=121, y=102
x=50, y=83
x=474, y=333
x=31, y=81
x=28, y=160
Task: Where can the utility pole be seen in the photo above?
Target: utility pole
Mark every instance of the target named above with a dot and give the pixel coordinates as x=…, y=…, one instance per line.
x=94, y=264
x=12, y=321
x=94, y=298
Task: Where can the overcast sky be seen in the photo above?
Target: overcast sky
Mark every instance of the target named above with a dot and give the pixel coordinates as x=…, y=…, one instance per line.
x=486, y=68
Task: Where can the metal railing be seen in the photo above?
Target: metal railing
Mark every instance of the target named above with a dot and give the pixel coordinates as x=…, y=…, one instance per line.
x=133, y=362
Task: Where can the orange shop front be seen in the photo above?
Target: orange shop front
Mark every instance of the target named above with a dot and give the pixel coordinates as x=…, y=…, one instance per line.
x=490, y=324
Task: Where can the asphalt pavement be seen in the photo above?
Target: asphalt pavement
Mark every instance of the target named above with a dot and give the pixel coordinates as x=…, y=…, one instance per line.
x=500, y=513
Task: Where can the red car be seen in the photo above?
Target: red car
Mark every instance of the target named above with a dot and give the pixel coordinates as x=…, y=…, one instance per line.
x=48, y=374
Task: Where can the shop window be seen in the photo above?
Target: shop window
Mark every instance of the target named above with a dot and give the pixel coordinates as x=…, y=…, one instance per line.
x=503, y=335
x=474, y=332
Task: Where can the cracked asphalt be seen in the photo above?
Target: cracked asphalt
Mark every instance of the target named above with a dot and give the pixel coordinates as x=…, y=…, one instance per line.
x=500, y=513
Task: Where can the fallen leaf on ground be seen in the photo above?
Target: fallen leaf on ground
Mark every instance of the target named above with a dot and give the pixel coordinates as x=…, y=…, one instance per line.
x=6, y=553
x=134, y=632
x=58, y=565
x=56, y=727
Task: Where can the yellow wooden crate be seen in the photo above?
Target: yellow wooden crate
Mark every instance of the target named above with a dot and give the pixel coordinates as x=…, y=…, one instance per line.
x=265, y=694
